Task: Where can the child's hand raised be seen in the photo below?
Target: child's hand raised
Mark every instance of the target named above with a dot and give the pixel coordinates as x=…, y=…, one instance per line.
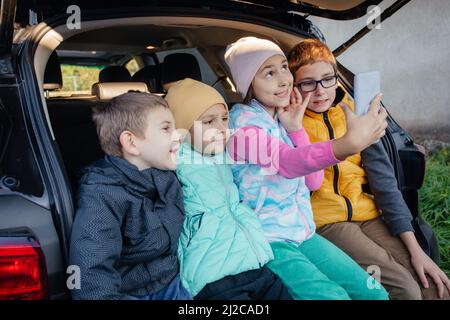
x=291, y=116
x=362, y=131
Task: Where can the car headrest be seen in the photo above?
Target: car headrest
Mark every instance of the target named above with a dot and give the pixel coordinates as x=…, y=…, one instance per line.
x=53, y=75
x=178, y=66
x=151, y=75
x=114, y=74
x=108, y=90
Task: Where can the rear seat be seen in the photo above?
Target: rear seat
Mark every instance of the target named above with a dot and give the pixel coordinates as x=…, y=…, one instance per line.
x=178, y=66
x=75, y=134
x=108, y=90
x=72, y=124
x=114, y=74
x=151, y=75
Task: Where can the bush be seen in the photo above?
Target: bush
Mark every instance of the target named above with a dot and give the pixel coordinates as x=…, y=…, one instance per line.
x=435, y=201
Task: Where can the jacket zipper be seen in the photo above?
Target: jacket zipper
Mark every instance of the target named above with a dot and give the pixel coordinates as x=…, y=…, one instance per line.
x=190, y=226
x=336, y=171
x=250, y=241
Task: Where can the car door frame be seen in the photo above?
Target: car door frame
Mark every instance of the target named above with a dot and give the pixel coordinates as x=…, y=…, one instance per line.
x=42, y=214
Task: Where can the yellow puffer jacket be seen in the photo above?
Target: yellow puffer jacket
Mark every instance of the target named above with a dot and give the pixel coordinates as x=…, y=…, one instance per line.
x=341, y=196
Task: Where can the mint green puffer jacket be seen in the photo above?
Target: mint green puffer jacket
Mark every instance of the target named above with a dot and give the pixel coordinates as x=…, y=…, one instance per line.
x=221, y=236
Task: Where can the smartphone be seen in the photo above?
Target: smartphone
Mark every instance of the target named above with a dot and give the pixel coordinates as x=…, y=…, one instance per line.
x=366, y=87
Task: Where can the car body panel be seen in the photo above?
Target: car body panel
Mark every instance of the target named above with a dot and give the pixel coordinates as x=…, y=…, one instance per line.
x=337, y=9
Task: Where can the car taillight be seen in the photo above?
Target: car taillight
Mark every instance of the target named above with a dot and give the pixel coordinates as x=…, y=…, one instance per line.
x=22, y=269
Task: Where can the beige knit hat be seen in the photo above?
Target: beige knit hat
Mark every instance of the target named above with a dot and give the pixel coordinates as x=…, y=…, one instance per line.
x=188, y=99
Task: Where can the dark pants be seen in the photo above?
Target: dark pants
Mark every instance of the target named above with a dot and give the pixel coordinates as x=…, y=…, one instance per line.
x=259, y=284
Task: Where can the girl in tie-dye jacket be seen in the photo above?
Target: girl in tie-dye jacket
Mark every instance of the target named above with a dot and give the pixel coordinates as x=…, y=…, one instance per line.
x=275, y=169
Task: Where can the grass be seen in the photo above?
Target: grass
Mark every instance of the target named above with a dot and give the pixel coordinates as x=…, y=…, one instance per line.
x=435, y=201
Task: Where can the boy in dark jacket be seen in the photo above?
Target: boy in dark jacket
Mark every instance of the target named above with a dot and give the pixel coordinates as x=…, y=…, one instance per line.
x=130, y=205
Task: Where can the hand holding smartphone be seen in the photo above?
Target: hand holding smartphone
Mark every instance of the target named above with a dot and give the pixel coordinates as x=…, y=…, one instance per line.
x=366, y=87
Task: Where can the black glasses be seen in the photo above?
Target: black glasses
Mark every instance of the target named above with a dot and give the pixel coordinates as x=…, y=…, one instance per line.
x=311, y=85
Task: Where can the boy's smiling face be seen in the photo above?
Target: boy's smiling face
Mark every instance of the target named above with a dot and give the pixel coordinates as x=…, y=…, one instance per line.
x=322, y=98
x=158, y=147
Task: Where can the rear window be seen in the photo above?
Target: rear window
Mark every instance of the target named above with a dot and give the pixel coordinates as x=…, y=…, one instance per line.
x=77, y=80
x=132, y=66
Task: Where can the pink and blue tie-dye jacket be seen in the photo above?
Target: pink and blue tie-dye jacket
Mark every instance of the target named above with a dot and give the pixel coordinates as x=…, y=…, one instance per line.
x=270, y=168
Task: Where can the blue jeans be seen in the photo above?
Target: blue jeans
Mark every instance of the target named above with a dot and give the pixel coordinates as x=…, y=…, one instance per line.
x=173, y=291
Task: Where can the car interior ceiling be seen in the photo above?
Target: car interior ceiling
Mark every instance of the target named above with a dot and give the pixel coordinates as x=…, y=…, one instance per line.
x=71, y=117
x=134, y=34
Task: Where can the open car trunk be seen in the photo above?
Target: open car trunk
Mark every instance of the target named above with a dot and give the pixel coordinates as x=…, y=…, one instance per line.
x=407, y=159
x=281, y=16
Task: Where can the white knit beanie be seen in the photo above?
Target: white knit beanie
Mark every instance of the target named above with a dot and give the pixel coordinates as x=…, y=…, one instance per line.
x=245, y=56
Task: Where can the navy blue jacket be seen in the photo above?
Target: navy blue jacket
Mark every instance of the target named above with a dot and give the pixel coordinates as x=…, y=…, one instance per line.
x=126, y=230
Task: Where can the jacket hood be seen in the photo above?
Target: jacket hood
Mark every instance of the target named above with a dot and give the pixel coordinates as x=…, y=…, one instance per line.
x=115, y=171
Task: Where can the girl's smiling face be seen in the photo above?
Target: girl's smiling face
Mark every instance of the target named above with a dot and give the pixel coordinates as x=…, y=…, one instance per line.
x=272, y=84
x=321, y=98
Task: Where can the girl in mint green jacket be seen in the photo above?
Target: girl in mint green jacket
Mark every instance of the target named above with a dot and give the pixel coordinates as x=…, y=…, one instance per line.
x=222, y=249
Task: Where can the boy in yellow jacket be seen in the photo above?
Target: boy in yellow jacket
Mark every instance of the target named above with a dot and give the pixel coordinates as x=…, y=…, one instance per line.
x=375, y=230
